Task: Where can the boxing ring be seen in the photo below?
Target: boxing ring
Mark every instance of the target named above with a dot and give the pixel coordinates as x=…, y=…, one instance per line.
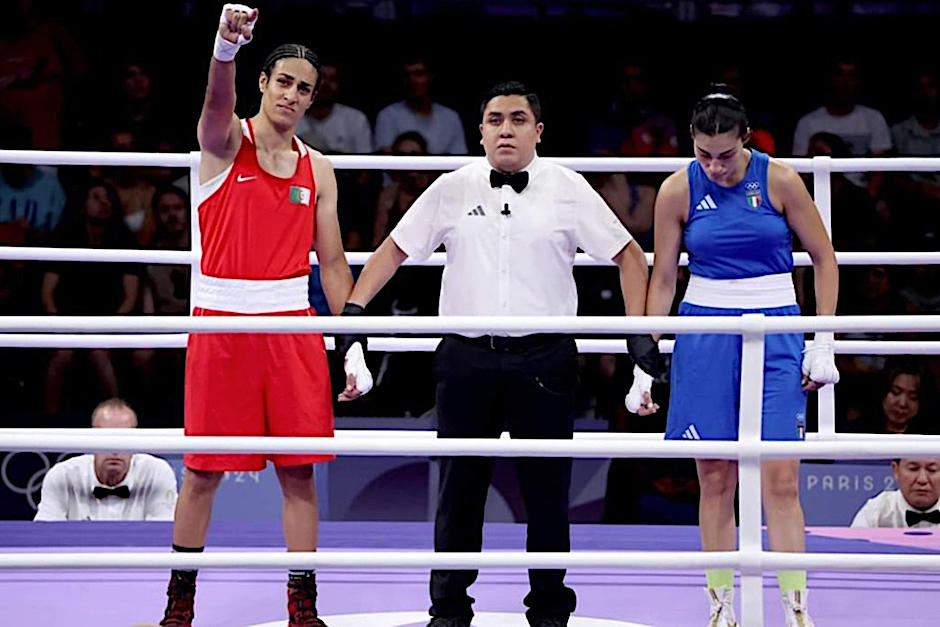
x=376, y=573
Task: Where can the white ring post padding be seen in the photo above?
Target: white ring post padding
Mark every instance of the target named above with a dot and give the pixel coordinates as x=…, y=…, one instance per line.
x=344, y=560
x=437, y=325
x=749, y=468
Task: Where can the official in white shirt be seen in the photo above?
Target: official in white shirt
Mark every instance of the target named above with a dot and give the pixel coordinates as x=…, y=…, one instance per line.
x=916, y=502
x=511, y=224
x=109, y=486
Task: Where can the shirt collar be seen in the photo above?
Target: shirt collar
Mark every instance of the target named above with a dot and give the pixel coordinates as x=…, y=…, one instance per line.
x=533, y=167
x=907, y=506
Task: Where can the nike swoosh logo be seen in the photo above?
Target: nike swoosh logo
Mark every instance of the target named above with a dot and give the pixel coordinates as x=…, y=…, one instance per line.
x=242, y=179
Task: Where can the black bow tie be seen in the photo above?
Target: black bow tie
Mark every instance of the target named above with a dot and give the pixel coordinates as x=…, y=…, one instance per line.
x=122, y=491
x=517, y=180
x=915, y=517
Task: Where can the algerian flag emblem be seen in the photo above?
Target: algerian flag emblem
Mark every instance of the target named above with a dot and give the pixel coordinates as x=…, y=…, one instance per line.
x=300, y=195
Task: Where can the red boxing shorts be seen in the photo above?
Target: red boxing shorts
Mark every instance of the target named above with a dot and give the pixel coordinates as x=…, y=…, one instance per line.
x=256, y=384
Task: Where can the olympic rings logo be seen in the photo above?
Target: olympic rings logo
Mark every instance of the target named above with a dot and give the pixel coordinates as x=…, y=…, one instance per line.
x=32, y=486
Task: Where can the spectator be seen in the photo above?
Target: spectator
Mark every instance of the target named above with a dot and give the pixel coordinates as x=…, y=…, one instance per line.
x=166, y=287
x=913, y=505
x=131, y=184
x=905, y=402
x=165, y=290
x=439, y=125
x=31, y=198
x=109, y=486
x=855, y=224
x=862, y=128
x=74, y=288
x=630, y=123
x=918, y=193
x=396, y=198
x=330, y=126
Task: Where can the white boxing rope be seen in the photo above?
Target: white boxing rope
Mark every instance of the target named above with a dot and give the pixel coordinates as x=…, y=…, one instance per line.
x=341, y=560
x=417, y=344
x=408, y=162
x=425, y=446
x=383, y=560
x=426, y=434
x=436, y=325
x=186, y=257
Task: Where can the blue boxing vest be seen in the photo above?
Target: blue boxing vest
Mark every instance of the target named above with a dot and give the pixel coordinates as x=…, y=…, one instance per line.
x=734, y=232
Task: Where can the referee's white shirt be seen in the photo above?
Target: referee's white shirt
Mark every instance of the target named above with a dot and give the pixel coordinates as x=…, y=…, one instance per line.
x=888, y=509
x=518, y=264
x=68, y=491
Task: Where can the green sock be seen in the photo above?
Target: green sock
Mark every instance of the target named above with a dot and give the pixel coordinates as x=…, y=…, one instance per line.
x=791, y=580
x=720, y=578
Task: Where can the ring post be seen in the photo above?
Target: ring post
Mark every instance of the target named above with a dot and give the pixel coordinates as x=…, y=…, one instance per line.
x=749, y=470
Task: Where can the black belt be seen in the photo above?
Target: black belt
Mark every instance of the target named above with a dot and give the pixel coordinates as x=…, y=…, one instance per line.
x=510, y=344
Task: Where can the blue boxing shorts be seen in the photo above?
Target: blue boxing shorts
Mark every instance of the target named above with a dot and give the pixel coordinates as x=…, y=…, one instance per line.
x=704, y=402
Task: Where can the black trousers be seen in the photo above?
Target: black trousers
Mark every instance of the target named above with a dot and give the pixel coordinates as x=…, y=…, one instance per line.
x=485, y=386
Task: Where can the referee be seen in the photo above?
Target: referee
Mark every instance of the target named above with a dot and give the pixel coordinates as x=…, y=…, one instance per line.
x=511, y=224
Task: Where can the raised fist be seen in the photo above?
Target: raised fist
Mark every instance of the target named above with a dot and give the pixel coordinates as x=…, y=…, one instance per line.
x=236, y=22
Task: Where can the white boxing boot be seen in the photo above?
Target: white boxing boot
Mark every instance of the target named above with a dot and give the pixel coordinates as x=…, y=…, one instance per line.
x=795, y=609
x=722, y=607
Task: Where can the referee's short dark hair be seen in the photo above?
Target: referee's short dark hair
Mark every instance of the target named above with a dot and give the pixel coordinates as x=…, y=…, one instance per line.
x=514, y=88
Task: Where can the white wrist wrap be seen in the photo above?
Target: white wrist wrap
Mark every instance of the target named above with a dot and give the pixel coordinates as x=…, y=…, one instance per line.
x=642, y=383
x=224, y=49
x=355, y=364
x=819, y=360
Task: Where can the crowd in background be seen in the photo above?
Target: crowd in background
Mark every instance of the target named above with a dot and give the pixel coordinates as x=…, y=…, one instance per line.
x=76, y=80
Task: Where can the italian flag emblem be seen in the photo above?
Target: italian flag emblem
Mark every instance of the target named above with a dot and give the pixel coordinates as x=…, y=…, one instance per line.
x=752, y=194
x=300, y=195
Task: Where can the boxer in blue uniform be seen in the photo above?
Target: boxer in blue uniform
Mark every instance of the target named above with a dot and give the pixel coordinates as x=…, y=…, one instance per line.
x=734, y=209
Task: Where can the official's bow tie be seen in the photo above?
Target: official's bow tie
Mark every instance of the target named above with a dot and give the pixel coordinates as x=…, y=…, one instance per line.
x=517, y=180
x=915, y=517
x=122, y=492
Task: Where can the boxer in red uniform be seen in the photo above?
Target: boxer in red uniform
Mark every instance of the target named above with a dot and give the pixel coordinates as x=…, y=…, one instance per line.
x=265, y=199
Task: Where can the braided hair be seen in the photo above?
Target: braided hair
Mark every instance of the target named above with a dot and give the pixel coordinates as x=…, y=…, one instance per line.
x=292, y=51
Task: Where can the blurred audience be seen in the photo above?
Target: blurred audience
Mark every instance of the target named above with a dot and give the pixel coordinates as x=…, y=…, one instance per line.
x=395, y=199
x=862, y=128
x=92, y=220
x=39, y=61
x=330, y=126
x=109, y=486
x=131, y=184
x=439, y=125
x=631, y=122
x=916, y=195
x=31, y=198
x=913, y=505
x=157, y=385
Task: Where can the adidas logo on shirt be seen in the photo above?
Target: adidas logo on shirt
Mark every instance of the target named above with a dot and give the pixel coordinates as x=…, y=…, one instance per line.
x=691, y=433
x=477, y=211
x=706, y=203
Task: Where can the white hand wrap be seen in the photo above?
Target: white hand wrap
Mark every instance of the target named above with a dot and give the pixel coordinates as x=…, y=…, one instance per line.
x=819, y=361
x=355, y=364
x=642, y=383
x=224, y=49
